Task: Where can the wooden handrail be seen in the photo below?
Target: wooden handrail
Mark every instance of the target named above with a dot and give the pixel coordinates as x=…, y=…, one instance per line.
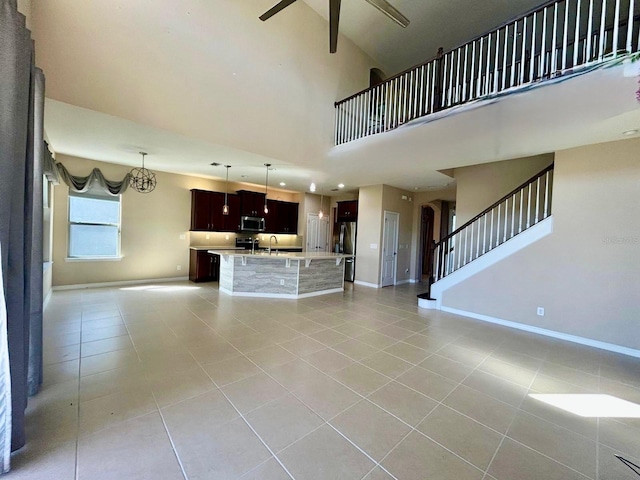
x=494, y=205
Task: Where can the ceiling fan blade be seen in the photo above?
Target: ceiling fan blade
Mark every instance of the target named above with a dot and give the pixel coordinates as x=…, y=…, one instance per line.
x=275, y=9
x=334, y=20
x=390, y=11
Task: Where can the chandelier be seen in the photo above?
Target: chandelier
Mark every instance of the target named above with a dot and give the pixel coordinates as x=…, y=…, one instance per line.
x=142, y=180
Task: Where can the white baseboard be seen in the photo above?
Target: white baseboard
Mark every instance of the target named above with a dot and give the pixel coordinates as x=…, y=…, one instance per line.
x=289, y=296
x=404, y=282
x=366, y=284
x=115, y=284
x=611, y=347
x=45, y=302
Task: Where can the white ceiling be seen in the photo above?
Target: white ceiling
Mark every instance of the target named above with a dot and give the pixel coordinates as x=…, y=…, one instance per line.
x=143, y=113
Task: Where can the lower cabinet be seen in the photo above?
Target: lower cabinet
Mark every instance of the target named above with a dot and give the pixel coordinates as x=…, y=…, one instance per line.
x=203, y=266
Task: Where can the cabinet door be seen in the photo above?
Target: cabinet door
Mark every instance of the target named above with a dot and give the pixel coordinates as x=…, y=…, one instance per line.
x=252, y=203
x=272, y=219
x=200, y=210
x=232, y=221
x=289, y=218
x=200, y=266
x=216, y=218
x=348, y=211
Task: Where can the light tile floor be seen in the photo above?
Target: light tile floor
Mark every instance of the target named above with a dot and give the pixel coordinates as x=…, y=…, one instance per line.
x=176, y=381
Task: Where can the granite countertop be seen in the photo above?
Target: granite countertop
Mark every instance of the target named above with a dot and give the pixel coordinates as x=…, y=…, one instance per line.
x=290, y=255
x=218, y=247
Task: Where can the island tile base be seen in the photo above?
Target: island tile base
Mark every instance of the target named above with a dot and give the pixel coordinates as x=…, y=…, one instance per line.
x=280, y=276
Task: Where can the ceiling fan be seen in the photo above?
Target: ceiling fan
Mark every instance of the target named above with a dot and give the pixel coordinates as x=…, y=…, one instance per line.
x=334, y=16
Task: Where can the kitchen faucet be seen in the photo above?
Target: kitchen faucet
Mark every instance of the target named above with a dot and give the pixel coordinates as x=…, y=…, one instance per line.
x=271, y=238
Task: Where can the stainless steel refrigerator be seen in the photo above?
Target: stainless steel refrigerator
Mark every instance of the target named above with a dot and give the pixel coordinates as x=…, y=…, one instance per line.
x=344, y=241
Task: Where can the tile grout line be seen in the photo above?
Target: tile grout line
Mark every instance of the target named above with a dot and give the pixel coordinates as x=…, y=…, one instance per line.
x=495, y=453
x=162, y=419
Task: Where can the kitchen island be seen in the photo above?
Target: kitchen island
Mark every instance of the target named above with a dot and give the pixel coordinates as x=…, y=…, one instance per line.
x=281, y=274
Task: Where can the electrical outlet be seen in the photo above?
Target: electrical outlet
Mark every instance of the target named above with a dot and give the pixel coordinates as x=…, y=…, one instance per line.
x=179, y=267
x=226, y=237
x=183, y=237
x=373, y=246
x=540, y=311
x=282, y=281
x=207, y=236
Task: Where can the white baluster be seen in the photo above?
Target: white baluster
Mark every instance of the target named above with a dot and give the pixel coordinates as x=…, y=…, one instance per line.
x=616, y=29
x=565, y=34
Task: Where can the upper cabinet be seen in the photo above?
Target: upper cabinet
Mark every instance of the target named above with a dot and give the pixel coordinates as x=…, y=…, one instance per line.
x=251, y=203
x=347, y=211
x=282, y=217
x=206, y=212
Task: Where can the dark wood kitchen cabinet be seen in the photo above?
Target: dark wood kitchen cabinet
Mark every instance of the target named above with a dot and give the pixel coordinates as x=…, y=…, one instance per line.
x=203, y=266
x=206, y=212
x=282, y=217
x=347, y=211
x=251, y=203
x=232, y=221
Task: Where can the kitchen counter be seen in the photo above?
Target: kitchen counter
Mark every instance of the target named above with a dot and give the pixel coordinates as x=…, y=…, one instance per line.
x=219, y=247
x=281, y=254
x=280, y=274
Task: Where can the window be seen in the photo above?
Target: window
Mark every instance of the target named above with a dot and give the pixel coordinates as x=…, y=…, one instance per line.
x=94, y=226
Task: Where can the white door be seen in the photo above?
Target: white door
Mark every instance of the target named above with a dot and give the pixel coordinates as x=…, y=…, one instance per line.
x=317, y=233
x=389, y=248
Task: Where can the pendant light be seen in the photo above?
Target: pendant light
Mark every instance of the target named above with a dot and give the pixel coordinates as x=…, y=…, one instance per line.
x=225, y=207
x=142, y=180
x=266, y=187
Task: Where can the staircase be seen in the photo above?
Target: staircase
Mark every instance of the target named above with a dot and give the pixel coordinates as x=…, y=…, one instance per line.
x=516, y=220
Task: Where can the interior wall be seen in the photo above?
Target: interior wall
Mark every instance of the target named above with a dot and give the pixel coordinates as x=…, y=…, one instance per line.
x=586, y=273
x=154, y=66
x=400, y=201
x=151, y=227
x=369, y=234
x=479, y=186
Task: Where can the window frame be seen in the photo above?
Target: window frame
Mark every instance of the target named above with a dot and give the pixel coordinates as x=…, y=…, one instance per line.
x=95, y=196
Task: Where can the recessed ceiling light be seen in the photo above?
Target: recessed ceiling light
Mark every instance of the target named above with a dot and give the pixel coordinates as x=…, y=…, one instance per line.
x=244, y=176
x=630, y=132
x=341, y=185
x=282, y=184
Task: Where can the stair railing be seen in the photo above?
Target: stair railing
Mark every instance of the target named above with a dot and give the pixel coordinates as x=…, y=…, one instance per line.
x=517, y=211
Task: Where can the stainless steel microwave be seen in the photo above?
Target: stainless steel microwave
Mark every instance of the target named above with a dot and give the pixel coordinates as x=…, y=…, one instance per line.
x=252, y=224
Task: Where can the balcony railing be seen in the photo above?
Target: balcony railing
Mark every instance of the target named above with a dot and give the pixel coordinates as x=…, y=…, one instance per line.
x=552, y=40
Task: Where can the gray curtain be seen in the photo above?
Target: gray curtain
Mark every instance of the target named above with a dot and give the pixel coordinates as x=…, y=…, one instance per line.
x=21, y=149
x=49, y=166
x=92, y=181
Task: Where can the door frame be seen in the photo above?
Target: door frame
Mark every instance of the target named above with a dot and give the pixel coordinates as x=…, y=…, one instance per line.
x=426, y=238
x=395, y=247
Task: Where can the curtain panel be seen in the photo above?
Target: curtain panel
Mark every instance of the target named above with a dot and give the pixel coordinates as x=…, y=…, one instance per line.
x=21, y=150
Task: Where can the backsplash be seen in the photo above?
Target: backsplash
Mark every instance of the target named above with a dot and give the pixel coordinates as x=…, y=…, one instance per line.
x=220, y=239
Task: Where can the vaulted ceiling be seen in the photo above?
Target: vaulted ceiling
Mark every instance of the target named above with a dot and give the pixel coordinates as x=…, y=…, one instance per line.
x=202, y=81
